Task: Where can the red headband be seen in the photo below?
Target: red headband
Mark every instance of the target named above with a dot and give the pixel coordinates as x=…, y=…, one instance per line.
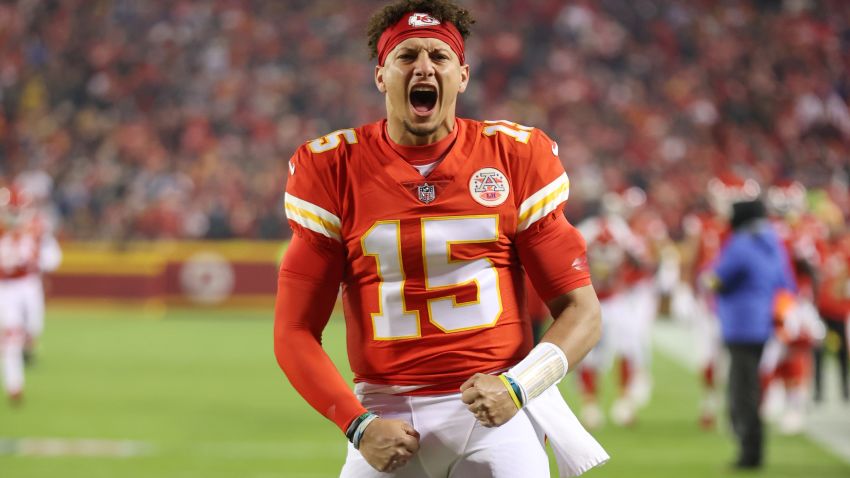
x=419, y=25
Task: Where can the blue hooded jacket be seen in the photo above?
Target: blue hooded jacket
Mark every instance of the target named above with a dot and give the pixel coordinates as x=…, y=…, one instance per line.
x=752, y=267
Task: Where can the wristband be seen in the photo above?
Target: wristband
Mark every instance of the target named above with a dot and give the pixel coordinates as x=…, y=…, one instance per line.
x=513, y=390
x=543, y=367
x=358, y=427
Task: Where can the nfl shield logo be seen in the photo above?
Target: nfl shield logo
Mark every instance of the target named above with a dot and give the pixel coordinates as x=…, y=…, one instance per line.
x=427, y=193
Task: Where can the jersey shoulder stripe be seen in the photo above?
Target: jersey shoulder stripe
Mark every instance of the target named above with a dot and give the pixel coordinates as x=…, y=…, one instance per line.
x=312, y=217
x=545, y=200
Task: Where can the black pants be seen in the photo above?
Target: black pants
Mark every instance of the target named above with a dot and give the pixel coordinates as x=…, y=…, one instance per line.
x=841, y=330
x=744, y=398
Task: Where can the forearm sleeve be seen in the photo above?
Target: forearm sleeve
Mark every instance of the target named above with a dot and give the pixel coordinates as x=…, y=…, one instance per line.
x=307, y=288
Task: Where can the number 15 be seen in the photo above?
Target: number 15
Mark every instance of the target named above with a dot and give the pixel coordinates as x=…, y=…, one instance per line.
x=443, y=274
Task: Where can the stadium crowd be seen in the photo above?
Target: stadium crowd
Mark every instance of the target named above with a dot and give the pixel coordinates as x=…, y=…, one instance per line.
x=176, y=119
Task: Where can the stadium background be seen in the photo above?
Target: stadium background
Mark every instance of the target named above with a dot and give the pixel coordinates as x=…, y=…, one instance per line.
x=161, y=131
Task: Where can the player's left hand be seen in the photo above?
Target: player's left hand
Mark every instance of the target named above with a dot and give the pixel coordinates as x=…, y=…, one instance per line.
x=488, y=399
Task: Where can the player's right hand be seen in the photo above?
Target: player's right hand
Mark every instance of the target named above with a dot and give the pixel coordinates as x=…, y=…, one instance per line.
x=389, y=444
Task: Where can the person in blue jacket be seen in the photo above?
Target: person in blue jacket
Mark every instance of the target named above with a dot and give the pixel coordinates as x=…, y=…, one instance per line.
x=751, y=269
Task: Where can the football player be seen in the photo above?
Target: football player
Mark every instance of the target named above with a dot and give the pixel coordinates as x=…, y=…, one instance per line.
x=834, y=305
x=786, y=364
x=428, y=220
x=26, y=250
x=618, y=264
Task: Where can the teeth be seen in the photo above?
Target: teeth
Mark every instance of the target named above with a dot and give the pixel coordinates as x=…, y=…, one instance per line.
x=424, y=88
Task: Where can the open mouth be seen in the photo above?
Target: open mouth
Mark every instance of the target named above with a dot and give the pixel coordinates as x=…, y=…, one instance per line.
x=423, y=99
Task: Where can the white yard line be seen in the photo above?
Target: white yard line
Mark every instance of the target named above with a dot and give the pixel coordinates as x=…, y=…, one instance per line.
x=828, y=424
x=86, y=447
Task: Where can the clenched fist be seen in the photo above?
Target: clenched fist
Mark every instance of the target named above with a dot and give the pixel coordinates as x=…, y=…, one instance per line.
x=488, y=399
x=389, y=444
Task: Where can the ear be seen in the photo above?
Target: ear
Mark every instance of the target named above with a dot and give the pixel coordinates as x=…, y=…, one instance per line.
x=379, y=79
x=464, y=78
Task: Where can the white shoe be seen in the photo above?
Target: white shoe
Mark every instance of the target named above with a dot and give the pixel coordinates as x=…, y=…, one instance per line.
x=623, y=412
x=591, y=416
x=792, y=423
x=773, y=404
x=641, y=390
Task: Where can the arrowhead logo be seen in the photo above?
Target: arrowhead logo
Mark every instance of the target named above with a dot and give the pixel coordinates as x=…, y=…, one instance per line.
x=422, y=20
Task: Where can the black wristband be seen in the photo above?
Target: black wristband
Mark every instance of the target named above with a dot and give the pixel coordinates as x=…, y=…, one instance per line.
x=353, y=427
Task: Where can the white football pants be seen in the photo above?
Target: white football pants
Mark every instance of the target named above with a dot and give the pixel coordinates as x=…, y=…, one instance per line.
x=21, y=300
x=453, y=444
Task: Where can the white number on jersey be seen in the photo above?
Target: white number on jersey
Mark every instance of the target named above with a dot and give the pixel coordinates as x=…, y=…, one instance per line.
x=442, y=272
x=516, y=131
x=332, y=140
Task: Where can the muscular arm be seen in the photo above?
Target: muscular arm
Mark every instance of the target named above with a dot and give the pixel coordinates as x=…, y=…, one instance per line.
x=578, y=323
x=554, y=257
x=307, y=288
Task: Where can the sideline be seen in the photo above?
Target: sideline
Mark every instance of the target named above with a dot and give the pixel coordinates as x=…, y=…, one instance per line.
x=827, y=424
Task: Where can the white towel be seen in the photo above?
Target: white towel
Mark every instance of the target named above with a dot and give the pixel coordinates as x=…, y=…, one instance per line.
x=576, y=451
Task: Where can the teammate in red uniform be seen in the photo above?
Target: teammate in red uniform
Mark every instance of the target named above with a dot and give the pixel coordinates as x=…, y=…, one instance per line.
x=786, y=362
x=427, y=220
x=26, y=249
x=833, y=302
x=618, y=263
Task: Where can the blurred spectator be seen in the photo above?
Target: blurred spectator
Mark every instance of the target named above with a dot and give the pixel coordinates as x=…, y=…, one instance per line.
x=176, y=119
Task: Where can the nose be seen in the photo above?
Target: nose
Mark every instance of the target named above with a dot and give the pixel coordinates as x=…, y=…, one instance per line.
x=423, y=67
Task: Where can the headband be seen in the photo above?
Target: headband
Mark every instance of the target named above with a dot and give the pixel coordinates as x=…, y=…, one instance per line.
x=419, y=25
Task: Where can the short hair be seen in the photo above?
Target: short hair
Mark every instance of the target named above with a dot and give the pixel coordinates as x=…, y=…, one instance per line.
x=442, y=10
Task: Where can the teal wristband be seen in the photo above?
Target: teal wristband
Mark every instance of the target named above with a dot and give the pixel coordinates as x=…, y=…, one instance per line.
x=515, y=387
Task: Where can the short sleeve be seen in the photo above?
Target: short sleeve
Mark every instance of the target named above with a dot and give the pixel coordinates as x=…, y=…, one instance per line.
x=311, y=205
x=542, y=186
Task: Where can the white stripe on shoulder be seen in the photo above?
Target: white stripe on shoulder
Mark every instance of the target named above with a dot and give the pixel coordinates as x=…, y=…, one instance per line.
x=312, y=217
x=544, y=201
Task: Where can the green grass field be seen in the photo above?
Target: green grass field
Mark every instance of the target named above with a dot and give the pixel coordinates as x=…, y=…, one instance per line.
x=198, y=394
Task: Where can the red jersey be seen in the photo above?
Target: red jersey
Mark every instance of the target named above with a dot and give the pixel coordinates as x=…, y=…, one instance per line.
x=786, y=235
x=432, y=284
x=649, y=229
x=833, y=295
x=709, y=232
x=808, y=246
x=20, y=247
x=614, y=254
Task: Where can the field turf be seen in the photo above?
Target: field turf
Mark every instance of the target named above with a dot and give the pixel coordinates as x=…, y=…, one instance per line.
x=130, y=392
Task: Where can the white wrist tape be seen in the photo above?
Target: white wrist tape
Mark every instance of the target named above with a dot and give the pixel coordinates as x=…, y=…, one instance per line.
x=543, y=367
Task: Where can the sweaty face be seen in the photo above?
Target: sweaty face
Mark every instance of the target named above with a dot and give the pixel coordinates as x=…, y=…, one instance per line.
x=421, y=78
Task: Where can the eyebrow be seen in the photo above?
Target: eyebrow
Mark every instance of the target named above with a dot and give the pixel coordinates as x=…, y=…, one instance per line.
x=439, y=49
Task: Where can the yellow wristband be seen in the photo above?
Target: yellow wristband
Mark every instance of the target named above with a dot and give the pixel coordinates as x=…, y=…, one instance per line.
x=510, y=391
